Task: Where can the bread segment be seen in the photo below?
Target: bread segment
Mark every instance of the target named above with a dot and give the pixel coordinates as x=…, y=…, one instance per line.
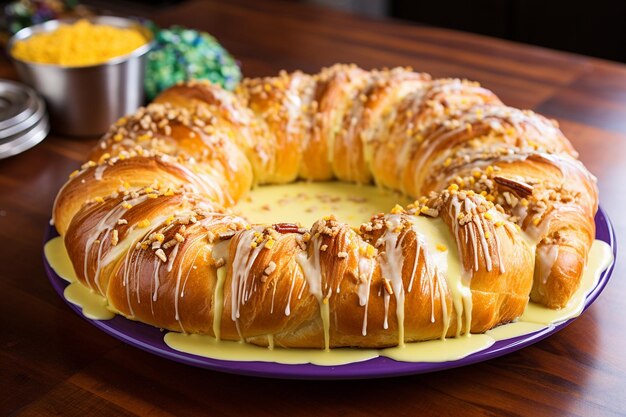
x=503, y=211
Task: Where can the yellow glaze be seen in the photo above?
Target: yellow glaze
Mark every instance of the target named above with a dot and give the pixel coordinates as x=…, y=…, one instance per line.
x=511, y=330
x=534, y=318
x=237, y=351
x=306, y=202
x=59, y=261
x=93, y=305
x=218, y=301
x=440, y=350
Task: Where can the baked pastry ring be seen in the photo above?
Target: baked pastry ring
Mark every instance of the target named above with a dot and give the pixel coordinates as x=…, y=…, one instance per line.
x=505, y=211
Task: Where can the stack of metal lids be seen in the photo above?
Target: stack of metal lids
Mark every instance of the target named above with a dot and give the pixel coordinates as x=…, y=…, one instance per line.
x=23, y=118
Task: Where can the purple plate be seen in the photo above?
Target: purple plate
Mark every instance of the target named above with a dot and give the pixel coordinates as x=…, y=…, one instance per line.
x=150, y=338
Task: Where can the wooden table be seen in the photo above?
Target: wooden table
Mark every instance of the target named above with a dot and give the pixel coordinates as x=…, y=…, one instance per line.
x=52, y=361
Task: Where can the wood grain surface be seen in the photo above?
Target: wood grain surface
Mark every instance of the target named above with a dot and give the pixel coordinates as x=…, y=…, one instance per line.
x=54, y=362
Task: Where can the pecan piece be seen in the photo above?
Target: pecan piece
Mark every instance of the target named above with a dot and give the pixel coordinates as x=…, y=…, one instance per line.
x=287, y=228
x=518, y=187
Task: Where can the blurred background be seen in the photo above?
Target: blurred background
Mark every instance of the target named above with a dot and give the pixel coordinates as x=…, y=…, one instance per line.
x=596, y=28
x=590, y=28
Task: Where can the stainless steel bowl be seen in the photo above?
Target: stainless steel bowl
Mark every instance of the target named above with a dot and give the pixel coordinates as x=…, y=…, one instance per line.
x=84, y=101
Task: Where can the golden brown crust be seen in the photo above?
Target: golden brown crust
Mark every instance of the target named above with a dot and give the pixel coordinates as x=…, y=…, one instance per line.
x=144, y=223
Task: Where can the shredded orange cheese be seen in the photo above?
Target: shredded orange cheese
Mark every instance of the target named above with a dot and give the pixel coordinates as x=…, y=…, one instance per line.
x=78, y=44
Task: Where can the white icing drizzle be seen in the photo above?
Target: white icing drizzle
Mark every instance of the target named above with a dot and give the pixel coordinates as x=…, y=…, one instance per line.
x=333, y=116
x=100, y=233
x=178, y=292
x=412, y=103
x=354, y=131
x=457, y=278
x=494, y=115
x=134, y=236
x=311, y=267
x=172, y=257
x=366, y=270
x=391, y=266
x=241, y=287
x=207, y=182
x=302, y=290
x=155, y=281
x=293, y=283
x=418, y=248
x=312, y=271
x=430, y=273
x=386, y=298
x=441, y=262
x=293, y=106
x=211, y=220
x=379, y=119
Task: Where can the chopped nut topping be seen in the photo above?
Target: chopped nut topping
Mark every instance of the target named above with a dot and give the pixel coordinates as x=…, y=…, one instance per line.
x=169, y=244
x=114, y=238
x=226, y=235
x=301, y=243
x=271, y=267
x=161, y=255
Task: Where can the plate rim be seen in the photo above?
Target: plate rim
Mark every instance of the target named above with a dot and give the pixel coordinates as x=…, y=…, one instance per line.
x=379, y=367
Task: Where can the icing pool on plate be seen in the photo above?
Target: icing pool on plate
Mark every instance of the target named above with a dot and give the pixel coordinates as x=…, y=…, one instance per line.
x=534, y=319
x=151, y=339
x=307, y=202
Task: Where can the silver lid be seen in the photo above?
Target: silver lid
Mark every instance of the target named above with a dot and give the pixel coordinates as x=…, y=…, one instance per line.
x=23, y=118
x=25, y=141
